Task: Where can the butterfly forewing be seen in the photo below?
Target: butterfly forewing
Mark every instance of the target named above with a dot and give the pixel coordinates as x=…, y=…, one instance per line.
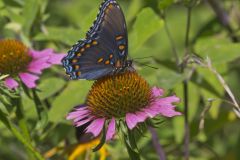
x=105, y=46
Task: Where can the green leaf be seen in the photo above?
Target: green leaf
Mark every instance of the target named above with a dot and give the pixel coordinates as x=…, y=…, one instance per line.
x=18, y=135
x=163, y=4
x=50, y=86
x=30, y=10
x=69, y=37
x=145, y=26
x=168, y=79
x=207, y=94
x=73, y=95
x=219, y=50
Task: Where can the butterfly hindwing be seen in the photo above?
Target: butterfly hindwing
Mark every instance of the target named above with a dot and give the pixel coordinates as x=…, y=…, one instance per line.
x=104, y=48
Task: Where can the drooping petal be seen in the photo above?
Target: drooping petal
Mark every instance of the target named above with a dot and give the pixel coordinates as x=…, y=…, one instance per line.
x=111, y=129
x=142, y=116
x=169, y=100
x=82, y=122
x=96, y=126
x=36, y=66
x=56, y=58
x=150, y=112
x=164, y=106
x=131, y=120
x=11, y=83
x=39, y=54
x=76, y=114
x=157, y=91
x=28, y=79
x=167, y=110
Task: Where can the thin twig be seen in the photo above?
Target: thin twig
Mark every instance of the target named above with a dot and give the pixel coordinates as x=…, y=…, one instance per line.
x=203, y=114
x=223, y=17
x=208, y=64
x=156, y=144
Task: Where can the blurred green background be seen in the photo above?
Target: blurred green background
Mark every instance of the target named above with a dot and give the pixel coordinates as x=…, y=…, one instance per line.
x=156, y=28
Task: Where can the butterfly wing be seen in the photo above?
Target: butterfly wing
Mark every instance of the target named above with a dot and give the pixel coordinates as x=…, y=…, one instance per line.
x=105, y=46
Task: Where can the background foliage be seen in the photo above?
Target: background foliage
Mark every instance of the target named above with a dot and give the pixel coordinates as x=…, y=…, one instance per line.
x=157, y=29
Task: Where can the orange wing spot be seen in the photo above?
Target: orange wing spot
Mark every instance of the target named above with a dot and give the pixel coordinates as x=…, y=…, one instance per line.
x=82, y=50
x=119, y=38
x=94, y=42
x=100, y=60
x=121, y=47
x=87, y=46
x=74, y=61
x=77, y=67
x=111, y=56
x=79, y=54
x=110, y=6
x=118, y=64
x=78, y=73
x=107, y=62
x=107, y=10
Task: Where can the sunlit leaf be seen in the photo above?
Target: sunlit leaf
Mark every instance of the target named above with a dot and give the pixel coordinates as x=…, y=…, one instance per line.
x=73, y=95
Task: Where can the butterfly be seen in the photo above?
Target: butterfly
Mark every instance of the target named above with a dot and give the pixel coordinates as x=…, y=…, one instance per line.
x=104, y=51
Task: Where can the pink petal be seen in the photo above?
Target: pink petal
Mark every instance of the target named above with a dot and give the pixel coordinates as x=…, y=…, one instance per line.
x=111, y=129
x=167, y=110
x=141, y=115
x=11, y=83
x=36, y=66
x=96, y=126
x=164, y=106
x=56, y=58
x=29, y=79
x=76, y=114
x=82, y=122
x=131, y=120
x=157, y=91
x=39, y=54
x=150, y=112
x=169, y=100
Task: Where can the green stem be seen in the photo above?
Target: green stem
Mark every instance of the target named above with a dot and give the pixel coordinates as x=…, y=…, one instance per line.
x=22, y=120
x=185, y=89
x=129, y=141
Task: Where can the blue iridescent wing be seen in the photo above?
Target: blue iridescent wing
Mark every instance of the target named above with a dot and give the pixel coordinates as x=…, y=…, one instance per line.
x=105, y=47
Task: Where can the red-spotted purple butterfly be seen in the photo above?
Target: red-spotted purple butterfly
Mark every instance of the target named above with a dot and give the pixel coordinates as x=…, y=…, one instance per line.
x=105, y=49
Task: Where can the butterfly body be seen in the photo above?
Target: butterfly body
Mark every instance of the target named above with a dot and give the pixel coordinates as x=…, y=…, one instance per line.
x=104, y=50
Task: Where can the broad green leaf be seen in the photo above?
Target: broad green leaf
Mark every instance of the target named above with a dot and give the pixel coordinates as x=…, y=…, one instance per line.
x=11, y=127
x=219, y=50
x=145, y=26
x=49, y=87
x=69, y=37
x=163, y=4
x=74, y=94
x=168, y=79
x=132, y=9
x=30, y=10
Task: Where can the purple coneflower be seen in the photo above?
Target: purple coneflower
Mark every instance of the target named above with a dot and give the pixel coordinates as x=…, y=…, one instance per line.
x=19, y=62
x=124, y=97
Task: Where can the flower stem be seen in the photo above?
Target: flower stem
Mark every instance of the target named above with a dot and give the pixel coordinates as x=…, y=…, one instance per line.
x=156, y=144
x=185, y=88
x=129, y=141
x=21, y=120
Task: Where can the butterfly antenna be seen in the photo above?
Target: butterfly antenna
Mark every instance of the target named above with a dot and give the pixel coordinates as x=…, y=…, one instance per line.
x=143, y=57
x=144, y=64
